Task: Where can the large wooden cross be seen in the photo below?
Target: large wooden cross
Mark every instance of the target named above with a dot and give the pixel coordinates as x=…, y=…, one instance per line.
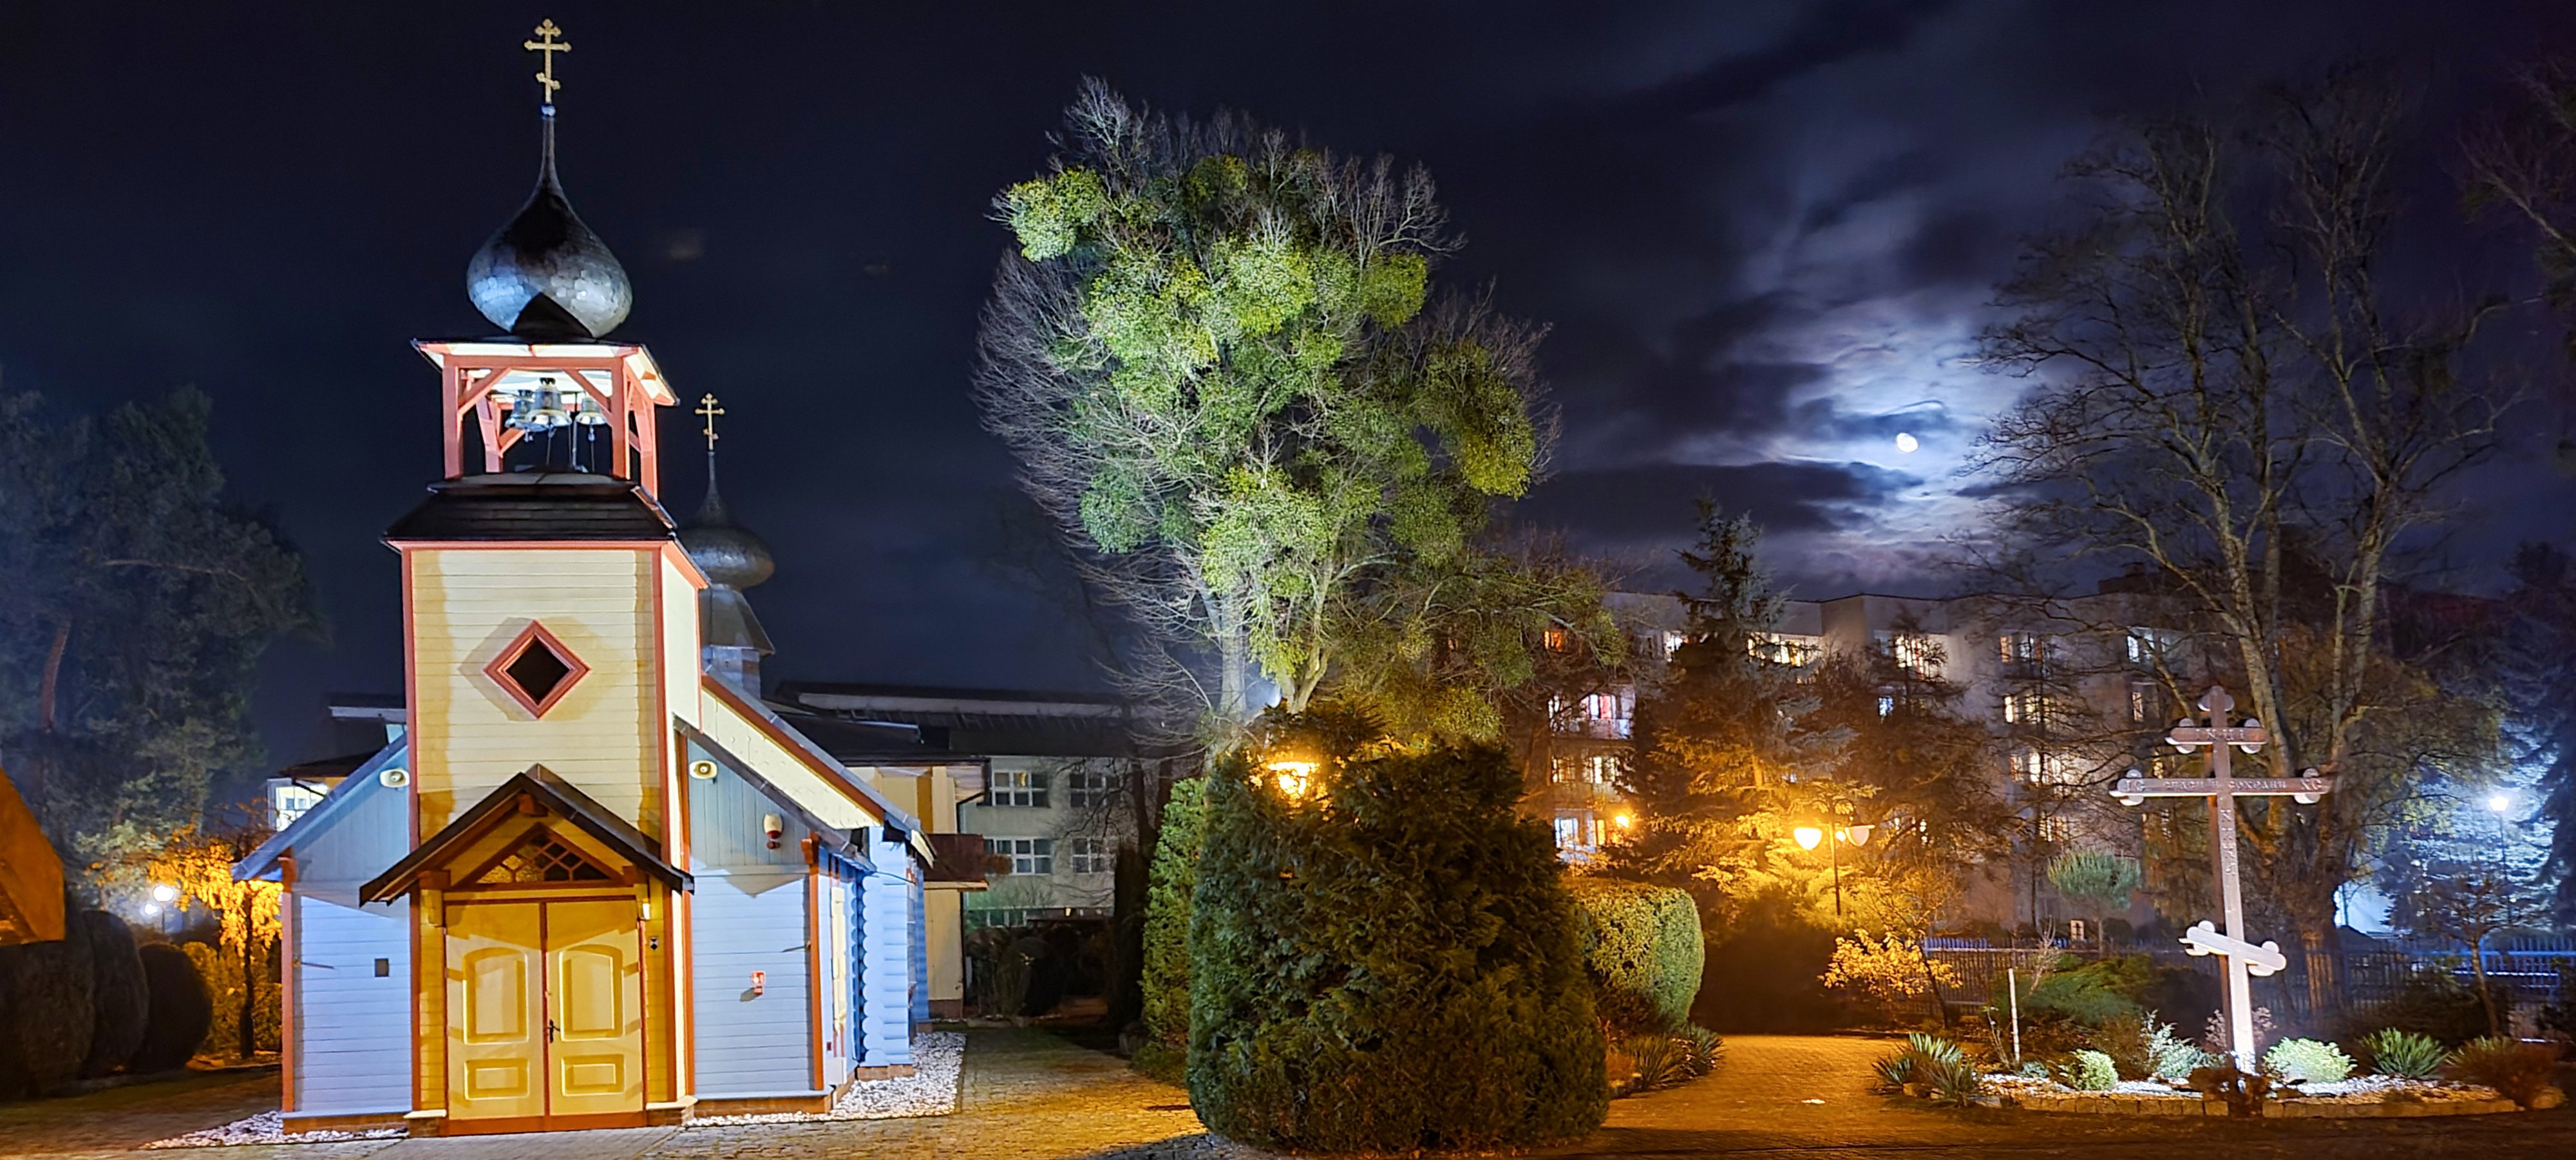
x=2222, y=788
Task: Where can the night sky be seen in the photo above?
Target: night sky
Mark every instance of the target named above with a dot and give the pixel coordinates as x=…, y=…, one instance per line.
x=1763, y=232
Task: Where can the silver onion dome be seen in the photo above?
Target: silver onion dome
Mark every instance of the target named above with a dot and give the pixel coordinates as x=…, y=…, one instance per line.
x=728, y=554
x=545, y=276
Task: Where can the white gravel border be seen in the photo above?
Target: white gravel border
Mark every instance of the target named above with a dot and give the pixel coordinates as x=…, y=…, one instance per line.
x=931, y=1090
x=269, y=1128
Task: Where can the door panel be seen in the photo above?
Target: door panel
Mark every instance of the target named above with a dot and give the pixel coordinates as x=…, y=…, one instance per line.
x=496, y=1048
x=594, y=976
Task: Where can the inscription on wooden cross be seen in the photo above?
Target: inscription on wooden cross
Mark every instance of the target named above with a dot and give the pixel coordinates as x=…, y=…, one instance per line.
x=2222, y=787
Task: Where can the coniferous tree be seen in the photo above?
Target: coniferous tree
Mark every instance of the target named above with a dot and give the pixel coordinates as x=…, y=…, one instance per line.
x=134, y=606
x=1719, y=744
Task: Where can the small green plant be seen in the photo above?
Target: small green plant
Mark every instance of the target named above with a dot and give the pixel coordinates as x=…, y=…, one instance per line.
x=2519, y=1071
x=1703, y=1046
x=1896, y=1068
x=1934, y=1047
x=2308, y=1061
x=2173, y=1056
x=2086, y=1070
x=1662, y=1061
x=2404, y=1054
x=1952, y=1082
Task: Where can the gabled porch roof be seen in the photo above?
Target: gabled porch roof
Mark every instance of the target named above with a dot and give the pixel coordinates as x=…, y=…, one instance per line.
x=558, y=797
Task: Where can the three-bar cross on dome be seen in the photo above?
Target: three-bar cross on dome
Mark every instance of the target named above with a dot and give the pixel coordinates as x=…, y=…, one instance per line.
x=545, y=276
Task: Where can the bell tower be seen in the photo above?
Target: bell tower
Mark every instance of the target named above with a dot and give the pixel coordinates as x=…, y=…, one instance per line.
x=552, y=613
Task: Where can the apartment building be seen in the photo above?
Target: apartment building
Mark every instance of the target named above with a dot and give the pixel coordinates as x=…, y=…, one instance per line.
x=2074, y=692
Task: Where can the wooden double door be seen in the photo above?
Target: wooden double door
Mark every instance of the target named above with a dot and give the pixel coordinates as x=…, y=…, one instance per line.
x=545, y=1015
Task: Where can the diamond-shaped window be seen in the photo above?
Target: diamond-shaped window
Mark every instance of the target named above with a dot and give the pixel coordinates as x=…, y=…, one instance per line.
x=542, y=857
x=536, y=670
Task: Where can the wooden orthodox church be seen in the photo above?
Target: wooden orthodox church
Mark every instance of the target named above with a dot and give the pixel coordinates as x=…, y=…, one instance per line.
x=596, y=881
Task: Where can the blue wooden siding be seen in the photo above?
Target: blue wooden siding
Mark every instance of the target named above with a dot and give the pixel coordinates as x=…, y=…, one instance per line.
x=352, y=1025
x=887, y=959
x=748, y=914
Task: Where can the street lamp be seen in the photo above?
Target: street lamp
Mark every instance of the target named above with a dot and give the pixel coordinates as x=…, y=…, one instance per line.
x=165, y=894
x=1810, y=837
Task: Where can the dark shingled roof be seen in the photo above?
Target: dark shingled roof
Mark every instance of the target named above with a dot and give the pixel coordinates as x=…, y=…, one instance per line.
x=552, y=794
x=534, y=506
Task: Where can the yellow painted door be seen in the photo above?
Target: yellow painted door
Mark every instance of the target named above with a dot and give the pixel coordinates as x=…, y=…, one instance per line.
x=595, y=999
x=496, y=1023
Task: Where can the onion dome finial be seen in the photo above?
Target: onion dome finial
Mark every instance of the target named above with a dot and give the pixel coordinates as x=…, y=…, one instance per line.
x=545, y=276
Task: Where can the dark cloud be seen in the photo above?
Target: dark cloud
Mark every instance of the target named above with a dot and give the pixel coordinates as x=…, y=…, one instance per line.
x=1624, y=505
x=1824, y=34
x=1761, y=231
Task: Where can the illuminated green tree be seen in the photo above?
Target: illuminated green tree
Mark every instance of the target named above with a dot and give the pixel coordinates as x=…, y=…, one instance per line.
x=1217, y=355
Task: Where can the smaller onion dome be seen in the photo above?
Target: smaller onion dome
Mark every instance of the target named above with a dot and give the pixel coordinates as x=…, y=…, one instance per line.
x=728, y=554
x=545, y=277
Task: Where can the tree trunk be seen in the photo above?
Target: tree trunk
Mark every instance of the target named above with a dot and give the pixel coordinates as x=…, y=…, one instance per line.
x=49, y=688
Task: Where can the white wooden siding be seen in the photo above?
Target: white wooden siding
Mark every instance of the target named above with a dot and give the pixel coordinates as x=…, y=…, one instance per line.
x=352, y=1027
x=750, y=1045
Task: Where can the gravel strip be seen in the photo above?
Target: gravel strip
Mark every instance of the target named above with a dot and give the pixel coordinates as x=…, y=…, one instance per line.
x=931, y=1090
x=268, y=1128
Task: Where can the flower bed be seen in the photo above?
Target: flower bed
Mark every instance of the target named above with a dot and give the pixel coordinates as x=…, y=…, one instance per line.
x=2376, y=1095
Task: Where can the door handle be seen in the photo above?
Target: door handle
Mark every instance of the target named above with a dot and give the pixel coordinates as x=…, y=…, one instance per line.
x=550, y=1030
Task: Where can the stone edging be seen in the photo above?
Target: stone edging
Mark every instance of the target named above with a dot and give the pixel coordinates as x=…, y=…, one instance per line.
x=2109, y=1104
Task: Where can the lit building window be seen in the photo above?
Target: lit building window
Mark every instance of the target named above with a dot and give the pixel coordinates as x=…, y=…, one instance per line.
x=1088, y=855
x=1915, y=654
x=287, y=801
x=1087, y=788
x=2056, y=830
x=1558, y=640
x=1601, y=768
x=1577, y=830
x=1027, y=855
x=1779, y=649
x=1019, y=787
x=1886, y=705
x=2039, y=768
x=2142, y=702
x=1673, y=642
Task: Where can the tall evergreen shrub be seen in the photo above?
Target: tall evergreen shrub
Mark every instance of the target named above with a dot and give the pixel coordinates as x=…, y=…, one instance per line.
x=1389, y=962
x=1643, y=949
x=1172, y=878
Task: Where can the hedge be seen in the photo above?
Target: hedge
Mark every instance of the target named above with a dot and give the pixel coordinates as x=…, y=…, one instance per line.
x=181, y=1010
x=1643, y=950
x=1172, y=878
x=120, y=1001
x=1389, y=963
x=45, y=1015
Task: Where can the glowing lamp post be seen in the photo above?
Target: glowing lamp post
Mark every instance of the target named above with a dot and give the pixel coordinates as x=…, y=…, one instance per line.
x=1810, y=837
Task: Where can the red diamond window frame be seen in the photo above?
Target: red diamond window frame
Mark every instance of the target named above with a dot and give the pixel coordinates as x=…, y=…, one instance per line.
x=499, y=668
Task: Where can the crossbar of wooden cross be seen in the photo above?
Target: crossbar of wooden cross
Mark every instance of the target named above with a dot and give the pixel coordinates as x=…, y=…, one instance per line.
x=2222, y=787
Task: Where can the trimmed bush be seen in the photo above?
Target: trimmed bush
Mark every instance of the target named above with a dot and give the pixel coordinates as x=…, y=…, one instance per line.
x=181, y=1010
x=120, y=1001
x=1643, y=952
x=45, y=1015
x=1388, y=962
x=1170, y=881
x=2308, y=1061
x=2520, y=1071
x=2404, y=1054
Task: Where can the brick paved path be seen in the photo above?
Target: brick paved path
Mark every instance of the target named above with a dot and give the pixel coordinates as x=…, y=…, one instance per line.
x=1030, y=1094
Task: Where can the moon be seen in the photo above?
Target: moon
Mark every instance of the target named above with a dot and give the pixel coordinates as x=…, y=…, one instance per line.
x=1906, y=443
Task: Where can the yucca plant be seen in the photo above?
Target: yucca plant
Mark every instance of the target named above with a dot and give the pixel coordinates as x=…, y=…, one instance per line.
x=2404, y=1054
x=1934, y=1047
x=1661, y=1061
x=1896, y=1069
x=1953, y=1081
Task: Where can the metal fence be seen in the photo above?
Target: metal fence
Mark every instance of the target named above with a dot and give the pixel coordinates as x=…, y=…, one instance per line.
x=2530, y=971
